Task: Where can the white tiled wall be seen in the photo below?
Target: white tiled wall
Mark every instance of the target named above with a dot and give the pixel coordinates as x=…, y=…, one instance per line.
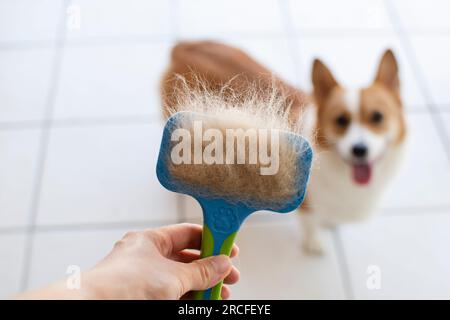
x=80, y=129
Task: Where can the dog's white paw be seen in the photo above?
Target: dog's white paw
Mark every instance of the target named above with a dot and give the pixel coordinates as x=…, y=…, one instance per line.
x=313, y=246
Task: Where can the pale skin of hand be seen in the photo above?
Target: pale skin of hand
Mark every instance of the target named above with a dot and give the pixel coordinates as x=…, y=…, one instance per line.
x=159, y=263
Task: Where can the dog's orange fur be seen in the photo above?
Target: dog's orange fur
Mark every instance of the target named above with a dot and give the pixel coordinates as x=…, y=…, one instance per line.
x=382, y=96
x=217, y=64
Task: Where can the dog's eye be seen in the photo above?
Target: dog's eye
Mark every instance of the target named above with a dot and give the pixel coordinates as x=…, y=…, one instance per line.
x=376, y=117
x=343, y=120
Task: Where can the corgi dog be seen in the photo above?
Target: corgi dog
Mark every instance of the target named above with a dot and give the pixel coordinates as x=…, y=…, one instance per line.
x=360, y=141
x=358, y=134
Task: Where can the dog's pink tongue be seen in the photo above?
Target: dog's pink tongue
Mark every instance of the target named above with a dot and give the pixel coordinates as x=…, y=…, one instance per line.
x=362, y=173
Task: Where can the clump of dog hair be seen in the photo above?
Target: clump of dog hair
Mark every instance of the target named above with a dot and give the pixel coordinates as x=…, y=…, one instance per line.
x=265, y=103
x=253, y=108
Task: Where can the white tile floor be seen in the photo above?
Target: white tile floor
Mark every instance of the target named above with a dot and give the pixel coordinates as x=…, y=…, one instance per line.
x=294, y=275
x=272, y=51
x=12, y=252
x=25, y=71
x=410, y=252
x=430, y=51
x=80, y=129
x=67, y=248
x=351, y=15
x=422, y=16
x=111, y=18
x=18, y=157
x=111, y=81
x=106, y=173
x=204, y=18
x=25, y=20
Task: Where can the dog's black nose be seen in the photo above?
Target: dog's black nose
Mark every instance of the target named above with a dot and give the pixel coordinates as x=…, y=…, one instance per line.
x=359, y=150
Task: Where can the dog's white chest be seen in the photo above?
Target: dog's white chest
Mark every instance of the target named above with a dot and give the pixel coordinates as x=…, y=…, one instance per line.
x=337, y=198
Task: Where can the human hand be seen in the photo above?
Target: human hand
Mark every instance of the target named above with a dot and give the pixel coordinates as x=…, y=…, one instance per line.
x=158, y=264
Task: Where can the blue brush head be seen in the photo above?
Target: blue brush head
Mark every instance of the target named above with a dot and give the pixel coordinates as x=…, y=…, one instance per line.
x=212, y=182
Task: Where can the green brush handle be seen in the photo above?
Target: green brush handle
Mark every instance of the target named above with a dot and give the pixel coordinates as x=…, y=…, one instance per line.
x=222, y=221
x=207, y=250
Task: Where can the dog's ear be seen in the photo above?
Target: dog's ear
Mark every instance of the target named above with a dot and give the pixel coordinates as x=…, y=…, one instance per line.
x=387, y=73
x=323, y=80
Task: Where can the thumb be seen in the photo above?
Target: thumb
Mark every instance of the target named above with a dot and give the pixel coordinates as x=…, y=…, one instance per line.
x=206, y=273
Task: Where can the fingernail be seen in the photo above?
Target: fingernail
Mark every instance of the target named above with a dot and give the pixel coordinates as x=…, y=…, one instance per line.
x=222, y=263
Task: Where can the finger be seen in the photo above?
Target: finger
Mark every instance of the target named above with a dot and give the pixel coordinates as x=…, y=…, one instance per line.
x=182, y=236
x=187, y=296
x=189, y=255
x=233, y=277
x=186, y=256
x=234, y=251
x=204, y=273
x=178, y=237
x=226, y=292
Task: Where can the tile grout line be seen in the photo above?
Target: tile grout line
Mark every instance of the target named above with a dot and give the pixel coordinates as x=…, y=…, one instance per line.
x=384, y=213
x=80, y=122
x=343, y=32
x=343, y=265
x=131, y=120
x=421, y=78
x=96, y=41
x=292, y=39
x=43, y=148
x=174, y=16
x=89, y=41
x=175, y=35
x=415, y=210
x=42, y=153
x=27, y=45
x=102, y=226
x=13, y=230
x=80, y=227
